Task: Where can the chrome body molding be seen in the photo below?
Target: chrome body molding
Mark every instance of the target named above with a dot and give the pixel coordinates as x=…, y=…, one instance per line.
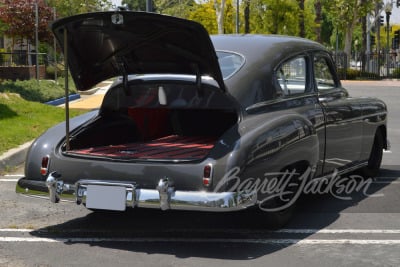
x=163, y=197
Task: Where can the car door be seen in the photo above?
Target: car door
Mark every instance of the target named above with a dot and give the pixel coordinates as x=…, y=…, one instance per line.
x=343, y=123
x=295, y=81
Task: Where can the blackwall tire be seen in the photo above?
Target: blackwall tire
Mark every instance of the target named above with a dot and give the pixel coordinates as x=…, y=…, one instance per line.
x=375, y=157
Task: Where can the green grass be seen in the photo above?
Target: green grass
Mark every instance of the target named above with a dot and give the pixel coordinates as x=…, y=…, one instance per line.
x=22, y=121
x=38, y=91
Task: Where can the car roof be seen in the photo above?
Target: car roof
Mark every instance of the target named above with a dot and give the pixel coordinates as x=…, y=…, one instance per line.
x=262, y=53
x=251, y=45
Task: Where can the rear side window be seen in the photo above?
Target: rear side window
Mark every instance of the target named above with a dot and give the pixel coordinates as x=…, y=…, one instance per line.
x=229, y=63
x=291, y=76
x=323, y=75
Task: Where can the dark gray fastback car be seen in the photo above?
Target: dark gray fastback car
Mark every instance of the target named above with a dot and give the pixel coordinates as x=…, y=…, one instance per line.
x=199, y=123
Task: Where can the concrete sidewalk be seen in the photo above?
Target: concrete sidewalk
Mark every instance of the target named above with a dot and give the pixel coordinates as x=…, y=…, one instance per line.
x=89, y=100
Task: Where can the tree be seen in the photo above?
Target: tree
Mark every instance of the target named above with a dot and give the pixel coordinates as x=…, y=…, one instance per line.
x=246, y=16
x=301, y=18
x=318, y=19
x=67, y=8
x=204, y=13
x=19, y=16
x=176, y=8
x=136, y=5
x=219, y=6
x=353, y=11
x=275, y=16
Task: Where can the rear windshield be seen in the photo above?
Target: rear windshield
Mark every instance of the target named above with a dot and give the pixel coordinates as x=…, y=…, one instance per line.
x=229, y=63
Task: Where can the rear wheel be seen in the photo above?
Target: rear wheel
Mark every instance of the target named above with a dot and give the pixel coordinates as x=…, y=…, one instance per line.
x=277, y=209
x=277, y=219
x=375, y=158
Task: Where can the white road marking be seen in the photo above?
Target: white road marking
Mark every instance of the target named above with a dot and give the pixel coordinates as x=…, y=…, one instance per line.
x=13, y=175
x=339, y=231
x=376, y=195
x=387, y=182
x=206, y=240
x=15, y=230
x=270, y=241
x=387, y=151
x=9, y=180
x=242, y=231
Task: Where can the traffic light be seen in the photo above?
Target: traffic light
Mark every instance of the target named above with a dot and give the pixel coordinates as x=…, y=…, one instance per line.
x=381, y=20
x=397, y=3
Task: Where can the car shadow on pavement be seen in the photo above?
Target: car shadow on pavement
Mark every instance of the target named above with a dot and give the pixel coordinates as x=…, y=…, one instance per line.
x=237, y=236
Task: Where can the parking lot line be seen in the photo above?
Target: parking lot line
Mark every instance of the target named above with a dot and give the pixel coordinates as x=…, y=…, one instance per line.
x=240, y=231
x=207, y=240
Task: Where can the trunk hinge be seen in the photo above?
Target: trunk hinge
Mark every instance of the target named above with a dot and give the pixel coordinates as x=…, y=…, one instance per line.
x=199, y=86
x=122, y=70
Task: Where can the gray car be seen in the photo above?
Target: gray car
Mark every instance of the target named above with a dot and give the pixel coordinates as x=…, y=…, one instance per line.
x=194, y=122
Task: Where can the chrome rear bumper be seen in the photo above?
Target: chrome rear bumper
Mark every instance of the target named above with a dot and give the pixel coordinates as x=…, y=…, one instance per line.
x=162, y=197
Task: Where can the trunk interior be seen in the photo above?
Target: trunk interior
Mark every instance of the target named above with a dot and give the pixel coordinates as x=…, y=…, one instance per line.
x=148, y=133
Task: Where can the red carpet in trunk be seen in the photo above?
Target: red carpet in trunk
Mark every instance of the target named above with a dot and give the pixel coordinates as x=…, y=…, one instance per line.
x=169, y=148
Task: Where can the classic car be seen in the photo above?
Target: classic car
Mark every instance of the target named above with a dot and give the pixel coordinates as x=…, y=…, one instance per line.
x=200, y=123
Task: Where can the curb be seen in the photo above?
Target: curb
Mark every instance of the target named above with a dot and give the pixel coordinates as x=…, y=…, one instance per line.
x=61, y=101
x=14, y=157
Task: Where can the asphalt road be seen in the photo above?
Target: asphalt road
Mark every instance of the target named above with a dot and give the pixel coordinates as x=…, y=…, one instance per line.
x=325, y=231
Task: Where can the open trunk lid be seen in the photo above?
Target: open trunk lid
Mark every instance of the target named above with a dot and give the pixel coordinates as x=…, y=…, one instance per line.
x=118, y=43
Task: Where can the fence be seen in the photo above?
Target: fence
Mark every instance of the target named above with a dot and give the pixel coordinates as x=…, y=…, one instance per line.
x=368, y=65
x=22, y=58
x=21, y=65
x=360, y=66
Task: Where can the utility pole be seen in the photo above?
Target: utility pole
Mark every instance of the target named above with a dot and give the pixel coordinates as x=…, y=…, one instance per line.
x=37, y=39
x=388, y=11
x=55, y=48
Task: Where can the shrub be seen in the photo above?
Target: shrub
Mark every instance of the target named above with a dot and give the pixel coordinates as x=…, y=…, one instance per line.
x=50, y=71
x=32, y=90
x=352, y=74
x=396, y=73
x=369, y=75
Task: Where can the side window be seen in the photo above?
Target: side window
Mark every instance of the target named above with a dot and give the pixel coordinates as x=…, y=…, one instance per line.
x=291, y=76
x=322, y=73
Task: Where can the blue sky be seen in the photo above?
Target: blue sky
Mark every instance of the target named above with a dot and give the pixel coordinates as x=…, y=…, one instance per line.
x=395, y=18
x=116, y=2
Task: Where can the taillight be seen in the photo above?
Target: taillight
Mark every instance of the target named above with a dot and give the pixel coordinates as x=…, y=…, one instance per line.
x=44, y=170
x=207, y=175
